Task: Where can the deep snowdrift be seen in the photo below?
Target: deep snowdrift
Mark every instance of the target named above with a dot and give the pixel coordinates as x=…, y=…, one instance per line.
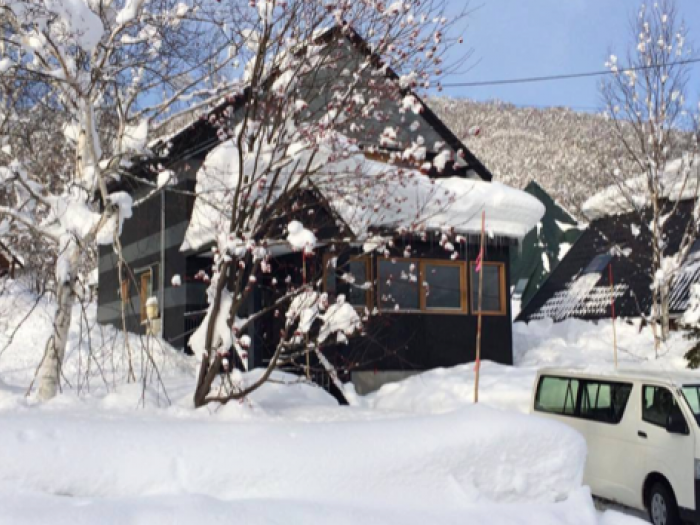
x=120, y=453
x=572, y=343
x=450, y=461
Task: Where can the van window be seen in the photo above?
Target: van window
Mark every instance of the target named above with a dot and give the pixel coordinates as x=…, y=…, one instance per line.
x=557, y=395
x=657, y=405
x=604, y=401
x=692, y=396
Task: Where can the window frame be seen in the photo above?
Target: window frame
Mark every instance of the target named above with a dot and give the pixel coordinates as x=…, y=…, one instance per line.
x=142, y=291
x=369, y=293
x=501, y=284
x=124, y=291
x=463, y=308
x=422, y=308
x=673, y=398
x=587, y=382
x=576, y=400
x=583, y=383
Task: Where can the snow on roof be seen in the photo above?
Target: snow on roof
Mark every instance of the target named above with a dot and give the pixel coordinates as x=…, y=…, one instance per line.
x=676, y=185
x=364, y=193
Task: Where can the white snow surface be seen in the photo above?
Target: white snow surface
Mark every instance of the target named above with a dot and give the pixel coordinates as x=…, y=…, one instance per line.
x=571, y=344
x=120, y=454
x=676, y=184
x=365, y=193
x=80, y=21
x=299, y=237
x=136, y=137
x=129, y=12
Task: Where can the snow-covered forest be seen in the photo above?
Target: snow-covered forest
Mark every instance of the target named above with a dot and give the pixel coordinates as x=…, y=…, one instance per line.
x=568, y=152
x=562, y=149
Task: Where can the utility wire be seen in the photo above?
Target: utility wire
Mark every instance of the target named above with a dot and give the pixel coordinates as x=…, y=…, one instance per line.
x=568, y=77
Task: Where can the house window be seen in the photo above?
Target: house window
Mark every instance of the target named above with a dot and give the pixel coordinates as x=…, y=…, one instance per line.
x=434, y=286
x=146, y=290
x=444, y=286
x=399, y=284
x=493, y=296
x=355, y=273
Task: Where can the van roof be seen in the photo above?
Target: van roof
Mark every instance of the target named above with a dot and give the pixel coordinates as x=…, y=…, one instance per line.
x=669, y=377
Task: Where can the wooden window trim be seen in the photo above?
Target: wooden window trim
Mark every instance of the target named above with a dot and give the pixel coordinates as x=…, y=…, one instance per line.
x=124, y=291
x=368, y=273
x=143, y=291
x=502, y=291
x=422, y=309
x=463, y=309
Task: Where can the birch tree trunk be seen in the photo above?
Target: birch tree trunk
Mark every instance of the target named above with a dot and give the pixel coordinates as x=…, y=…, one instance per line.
x=50, y=370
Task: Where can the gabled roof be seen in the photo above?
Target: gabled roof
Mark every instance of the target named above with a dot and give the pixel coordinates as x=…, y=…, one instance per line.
x=579, y=289
x=544, y=247
x=200, y=136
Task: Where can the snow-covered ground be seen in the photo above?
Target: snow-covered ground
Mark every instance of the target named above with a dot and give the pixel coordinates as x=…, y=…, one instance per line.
x=414, y=452
x=572, y=343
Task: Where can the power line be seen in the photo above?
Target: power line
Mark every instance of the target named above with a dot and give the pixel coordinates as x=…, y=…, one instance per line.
x=527, y=80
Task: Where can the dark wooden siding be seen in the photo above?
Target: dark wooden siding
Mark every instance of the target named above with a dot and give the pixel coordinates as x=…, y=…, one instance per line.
x=404, y=341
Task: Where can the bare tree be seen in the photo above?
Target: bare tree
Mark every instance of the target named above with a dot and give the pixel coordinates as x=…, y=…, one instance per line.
x=105, y=71
x=295, y=159
x=648, y=114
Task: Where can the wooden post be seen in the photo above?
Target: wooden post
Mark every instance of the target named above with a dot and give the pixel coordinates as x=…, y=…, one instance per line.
x=480, y=266
x=612, y=308
x=306, y=336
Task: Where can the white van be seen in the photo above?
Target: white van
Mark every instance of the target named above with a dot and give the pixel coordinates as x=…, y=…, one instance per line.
x=642, y=431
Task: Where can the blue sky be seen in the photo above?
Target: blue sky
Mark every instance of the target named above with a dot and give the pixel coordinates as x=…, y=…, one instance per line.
x=525, y=38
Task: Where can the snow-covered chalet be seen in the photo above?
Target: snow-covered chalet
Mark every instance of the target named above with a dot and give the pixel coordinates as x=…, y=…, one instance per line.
x=168, y=253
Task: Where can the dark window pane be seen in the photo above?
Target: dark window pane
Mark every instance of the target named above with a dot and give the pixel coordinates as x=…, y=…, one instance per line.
x=491, y=288
x=330, y=280
x=443, y=288
x=398, y=285
x=557, y=395
x=603, y=401
x=357, y=279
x=657, y=404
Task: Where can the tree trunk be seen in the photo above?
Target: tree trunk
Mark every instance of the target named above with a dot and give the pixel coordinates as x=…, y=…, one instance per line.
x=50, y=370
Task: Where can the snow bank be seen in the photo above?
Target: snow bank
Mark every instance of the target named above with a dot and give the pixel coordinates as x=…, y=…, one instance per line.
x=577, y=343
x=96, y=355
x=446, y=389
x=32, y=508
x=288, y=454
x=572, y=343
x=455, y=460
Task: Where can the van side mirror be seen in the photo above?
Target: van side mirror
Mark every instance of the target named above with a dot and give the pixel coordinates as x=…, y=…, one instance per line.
x=675, y=424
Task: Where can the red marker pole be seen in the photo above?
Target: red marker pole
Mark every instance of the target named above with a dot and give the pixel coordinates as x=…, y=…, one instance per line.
x=480, y=269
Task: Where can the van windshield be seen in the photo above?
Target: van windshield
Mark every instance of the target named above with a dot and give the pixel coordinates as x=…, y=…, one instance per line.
x=692, y=396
